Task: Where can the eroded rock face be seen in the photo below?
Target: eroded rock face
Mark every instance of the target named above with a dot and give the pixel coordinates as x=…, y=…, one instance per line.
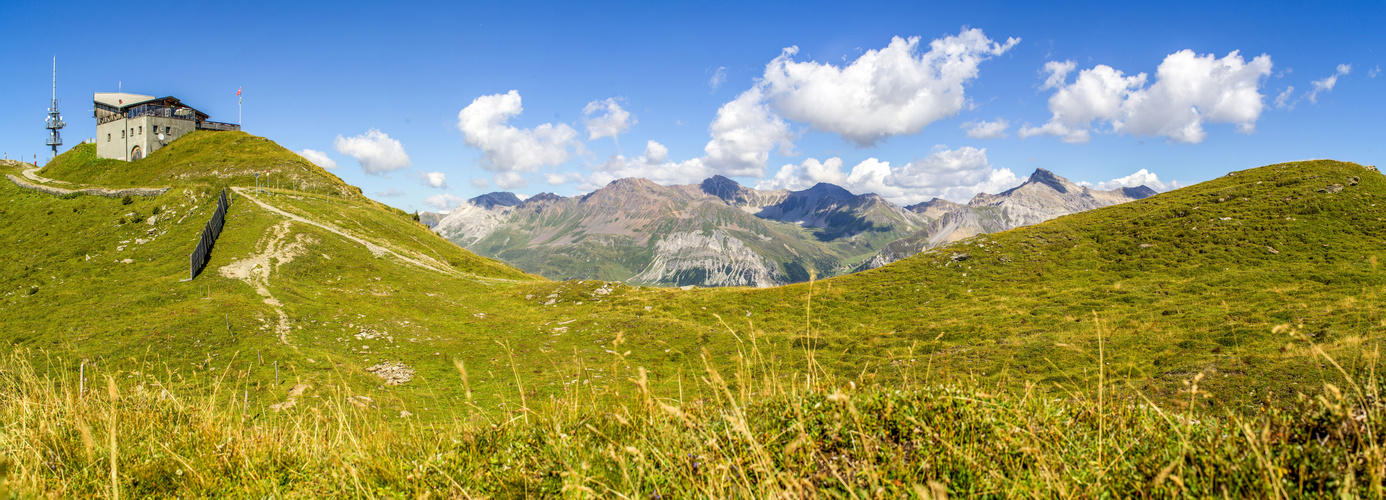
x=716, y=259
x=470, y=222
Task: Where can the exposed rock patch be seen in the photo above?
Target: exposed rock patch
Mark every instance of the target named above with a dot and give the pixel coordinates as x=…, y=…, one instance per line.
x=367, y=333
x=392, y=372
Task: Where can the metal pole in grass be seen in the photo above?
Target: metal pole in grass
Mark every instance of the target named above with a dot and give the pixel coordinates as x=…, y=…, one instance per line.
x=1101, y=411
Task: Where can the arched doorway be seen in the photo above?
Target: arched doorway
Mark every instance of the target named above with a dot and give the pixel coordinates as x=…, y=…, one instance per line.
x=136, y=153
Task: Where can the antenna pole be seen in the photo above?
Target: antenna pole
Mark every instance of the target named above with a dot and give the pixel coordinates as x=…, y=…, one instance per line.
x=55, y=119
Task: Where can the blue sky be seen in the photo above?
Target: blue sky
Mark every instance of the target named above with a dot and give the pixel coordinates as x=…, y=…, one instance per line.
x=425, y=104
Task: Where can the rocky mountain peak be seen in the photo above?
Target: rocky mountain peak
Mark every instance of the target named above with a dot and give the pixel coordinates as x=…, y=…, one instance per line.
x=626, y=190
x=935, y=207
x=825, y=190
x=541, y=198
x=498, y=198
x=631, y=183
x=1138, y=192
x=721, y=187
x=1045, y=177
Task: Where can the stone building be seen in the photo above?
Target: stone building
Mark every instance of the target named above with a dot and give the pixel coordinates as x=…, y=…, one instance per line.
x=131, y=126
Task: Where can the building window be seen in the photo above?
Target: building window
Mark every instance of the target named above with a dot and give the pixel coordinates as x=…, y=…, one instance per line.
x=108, y=137
x=166, y=130
x=141, y=129
x=122, y=134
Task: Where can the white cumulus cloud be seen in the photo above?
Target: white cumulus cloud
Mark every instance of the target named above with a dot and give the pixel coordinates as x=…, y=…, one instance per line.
x=1097, y=94
x=318, y=158
x=896, y=90
x=1057, y=129
x=377, y=152
x=952, y=174
x=743, y=134
x=652, y=165
x=506, y=149
x=443, y=201
x=804, y=175
x=1188, y=91
x=560, y=178
x=1058, y=73
x=656, y=152
x=611, y=122
x=987, y=130
x=510, y=180
x=1141, y=177
x=434, y=179
x=1327, y=84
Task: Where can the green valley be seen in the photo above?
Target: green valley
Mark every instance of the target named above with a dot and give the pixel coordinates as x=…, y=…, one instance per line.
x=328, y=323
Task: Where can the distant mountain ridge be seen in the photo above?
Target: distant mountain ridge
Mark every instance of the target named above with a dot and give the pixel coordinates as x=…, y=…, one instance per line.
x=720, y=233
x=1042, y=197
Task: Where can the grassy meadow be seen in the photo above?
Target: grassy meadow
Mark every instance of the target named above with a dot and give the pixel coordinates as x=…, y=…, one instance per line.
x=1217, y=340
x=746, y=433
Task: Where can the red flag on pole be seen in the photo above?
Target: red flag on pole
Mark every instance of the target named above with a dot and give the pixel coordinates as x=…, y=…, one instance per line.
x=238, y=91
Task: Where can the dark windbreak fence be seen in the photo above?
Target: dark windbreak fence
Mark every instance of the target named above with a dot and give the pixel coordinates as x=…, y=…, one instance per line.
x=199, y=256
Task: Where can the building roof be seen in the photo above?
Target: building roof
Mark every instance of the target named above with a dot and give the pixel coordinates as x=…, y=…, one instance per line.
x=120, y=99
x=119, y=102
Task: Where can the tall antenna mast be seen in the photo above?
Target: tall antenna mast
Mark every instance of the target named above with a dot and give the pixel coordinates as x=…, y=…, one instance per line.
x=55, y=120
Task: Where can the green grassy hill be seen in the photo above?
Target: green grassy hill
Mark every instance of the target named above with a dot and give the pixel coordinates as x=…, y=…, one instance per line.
x=1234, y=277
x=97, y=279
x=1253, y=287
x=202, y=157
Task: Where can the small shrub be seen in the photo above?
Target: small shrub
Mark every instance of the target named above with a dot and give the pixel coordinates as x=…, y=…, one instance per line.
x=156, y=210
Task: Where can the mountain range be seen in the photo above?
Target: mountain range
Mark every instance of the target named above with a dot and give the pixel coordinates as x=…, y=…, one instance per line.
x=720, y=233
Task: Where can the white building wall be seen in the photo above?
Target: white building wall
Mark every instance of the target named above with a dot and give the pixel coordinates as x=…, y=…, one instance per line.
x=118, y=139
